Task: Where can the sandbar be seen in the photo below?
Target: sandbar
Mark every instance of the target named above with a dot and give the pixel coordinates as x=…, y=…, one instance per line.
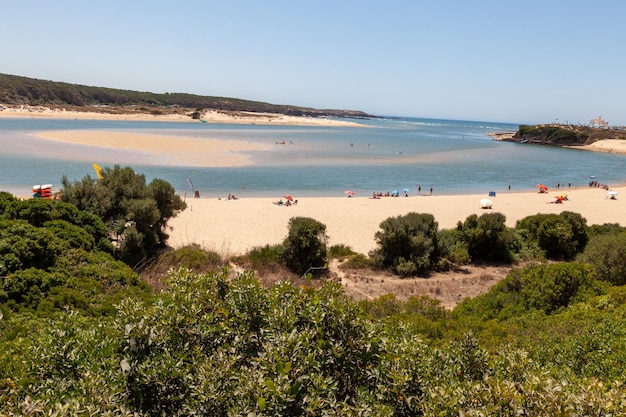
x=208, y=116
x=232, y=227
x=164, y=149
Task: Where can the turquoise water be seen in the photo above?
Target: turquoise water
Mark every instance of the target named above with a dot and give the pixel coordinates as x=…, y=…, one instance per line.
x=390, y=154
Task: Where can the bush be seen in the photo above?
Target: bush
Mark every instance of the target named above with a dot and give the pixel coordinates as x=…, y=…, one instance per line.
x=560, y=236
x=135, y=214
x=24, y=246
x=453, y=249
x=75, y=236
x=340, y=252
x=191, y=257
x=607, y=254
x=264, y=255
x=305, y=245
x=27, y=289
x=550, y=287
x=357, y=261
x=487, y=237
x=408, y=245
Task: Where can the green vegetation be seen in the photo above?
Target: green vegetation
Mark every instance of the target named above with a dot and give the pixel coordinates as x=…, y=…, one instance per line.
x=135, y=214
x=559, y=236
x=81, y=332
x=487, y=238
x=211, y=346
x=408, y=244
x=564, y=135
x=15, y=90
x=304, y=249
x=54, y=256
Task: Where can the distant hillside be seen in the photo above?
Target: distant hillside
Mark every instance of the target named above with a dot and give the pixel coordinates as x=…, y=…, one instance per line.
x=15, y=90
x=564, y=135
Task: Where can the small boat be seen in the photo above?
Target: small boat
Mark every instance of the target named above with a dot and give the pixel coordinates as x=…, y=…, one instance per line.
x=524, y=141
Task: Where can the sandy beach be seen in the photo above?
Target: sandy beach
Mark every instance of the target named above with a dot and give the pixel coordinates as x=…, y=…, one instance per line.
x=232, y=227
x=617, y=146
x=209, y=116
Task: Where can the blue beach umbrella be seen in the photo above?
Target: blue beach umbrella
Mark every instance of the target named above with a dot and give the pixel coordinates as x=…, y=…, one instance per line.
x=406, y=190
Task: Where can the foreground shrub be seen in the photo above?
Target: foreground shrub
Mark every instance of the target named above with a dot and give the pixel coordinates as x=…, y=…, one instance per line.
x=454, y=251
x=560, y=236
x=135, y=213
x=190, y=257
x=208, y=345
x=340, y=251
x=357, y=261
x=487, y=237
x=305, y=245
x=408, y=244
x=263, y=255
x=547, y=288
x=607, y=254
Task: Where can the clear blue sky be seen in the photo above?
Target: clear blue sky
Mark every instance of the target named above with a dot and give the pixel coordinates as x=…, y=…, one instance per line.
x=495, y=60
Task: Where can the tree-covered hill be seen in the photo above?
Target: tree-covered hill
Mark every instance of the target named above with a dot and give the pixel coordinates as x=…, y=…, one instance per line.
x=16, y=90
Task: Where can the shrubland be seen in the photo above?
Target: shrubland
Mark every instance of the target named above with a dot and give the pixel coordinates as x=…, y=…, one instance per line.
x=82, y=333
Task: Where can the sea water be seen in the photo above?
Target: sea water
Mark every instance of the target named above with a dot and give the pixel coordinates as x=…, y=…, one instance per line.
x=387, y=154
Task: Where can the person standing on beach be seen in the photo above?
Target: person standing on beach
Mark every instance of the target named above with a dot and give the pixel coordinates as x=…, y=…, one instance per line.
x=431, y=190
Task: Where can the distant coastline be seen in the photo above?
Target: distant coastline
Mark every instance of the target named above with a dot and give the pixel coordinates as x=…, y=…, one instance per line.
x=179, y=115
x=572, y=137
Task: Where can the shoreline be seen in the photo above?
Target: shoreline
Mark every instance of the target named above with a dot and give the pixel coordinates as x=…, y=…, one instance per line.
x=616, y=146
x=233, y=227
x=209, y=116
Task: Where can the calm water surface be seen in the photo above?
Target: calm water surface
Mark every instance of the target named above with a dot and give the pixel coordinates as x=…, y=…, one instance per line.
x=389, y=154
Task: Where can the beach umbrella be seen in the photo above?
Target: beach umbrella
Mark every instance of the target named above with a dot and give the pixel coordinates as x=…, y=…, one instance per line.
x=486, y=203
x=288, y=197
x=406, y=190
x=612, y=192
x=349, y=193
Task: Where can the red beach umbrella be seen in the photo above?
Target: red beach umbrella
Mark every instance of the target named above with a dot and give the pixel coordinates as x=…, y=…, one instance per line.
x=349, y=193
x=288, y=197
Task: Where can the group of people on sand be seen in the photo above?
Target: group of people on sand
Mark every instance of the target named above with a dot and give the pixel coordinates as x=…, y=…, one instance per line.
x=286, y=203
x=596, y=184
x=230, y=197
x=387, y=194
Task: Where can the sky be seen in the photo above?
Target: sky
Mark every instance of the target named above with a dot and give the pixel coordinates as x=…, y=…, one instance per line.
x=486, y=60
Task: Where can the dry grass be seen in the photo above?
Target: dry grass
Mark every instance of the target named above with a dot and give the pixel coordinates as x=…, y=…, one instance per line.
x=450, y=288
x=366, y=284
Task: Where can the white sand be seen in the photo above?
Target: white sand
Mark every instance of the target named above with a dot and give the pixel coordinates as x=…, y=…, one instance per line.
x=183, y=115
x=166, y=150
x=235, y=226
